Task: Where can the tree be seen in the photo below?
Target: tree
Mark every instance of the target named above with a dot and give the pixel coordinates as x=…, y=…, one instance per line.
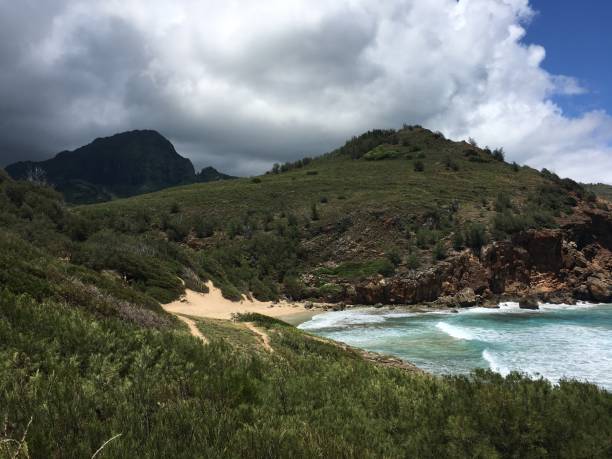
x=499, y=154
x=475, y=236
x=458, y=240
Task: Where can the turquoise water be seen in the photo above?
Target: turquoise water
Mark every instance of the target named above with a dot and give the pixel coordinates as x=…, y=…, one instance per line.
x=556, y=341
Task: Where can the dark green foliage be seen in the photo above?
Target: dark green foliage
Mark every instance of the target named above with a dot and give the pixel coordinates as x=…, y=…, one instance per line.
x=419, y=166
x=123, y=165
x=359, y=146
x=552, y=198
x=476, y=236
x=82, y=381
x=450, y=164
x=394, y=257
x=498, y=154
x=288, y=166
x=413, y=261
x=503, y=202
x=458, y=240
x=256, y=180
x=515, y=166
x=439, y=251
x=426, y=237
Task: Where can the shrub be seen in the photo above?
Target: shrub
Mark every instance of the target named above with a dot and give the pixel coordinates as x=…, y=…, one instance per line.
x=413, y=261
x=499, y=154
x=439, y=251
x=394, y=257
x=424, y=238
x=476, y=236
x=508, y=223
x=502, y=202
x=458, y=240
x=293, y=287
x=175, y=208
x=515, y=166
x=450, y=164
x=204, y=228
x=419, y=166
x=256, y=180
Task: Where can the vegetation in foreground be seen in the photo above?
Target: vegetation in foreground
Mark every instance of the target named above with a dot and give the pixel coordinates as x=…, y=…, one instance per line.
x=78, y=381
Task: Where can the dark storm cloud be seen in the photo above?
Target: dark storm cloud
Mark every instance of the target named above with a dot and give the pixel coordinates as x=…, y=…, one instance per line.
x=240, y=85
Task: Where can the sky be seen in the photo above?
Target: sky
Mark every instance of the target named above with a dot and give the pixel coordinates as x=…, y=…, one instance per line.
x=241, y=84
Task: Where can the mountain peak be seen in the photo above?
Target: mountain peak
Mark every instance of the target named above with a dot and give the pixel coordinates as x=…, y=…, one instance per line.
x=121, y=165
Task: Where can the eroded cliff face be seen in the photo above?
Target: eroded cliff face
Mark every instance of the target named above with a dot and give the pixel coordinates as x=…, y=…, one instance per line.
x=561, y=265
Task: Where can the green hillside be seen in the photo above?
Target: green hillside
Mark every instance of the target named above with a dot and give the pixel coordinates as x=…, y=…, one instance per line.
x=88, y=355
x=387, y=202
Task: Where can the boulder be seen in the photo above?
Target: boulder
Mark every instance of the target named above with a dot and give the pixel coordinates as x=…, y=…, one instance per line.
x=529, y=302
x=600, y=289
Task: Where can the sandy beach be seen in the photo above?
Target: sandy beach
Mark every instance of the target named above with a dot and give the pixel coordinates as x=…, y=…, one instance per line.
x=213, y=305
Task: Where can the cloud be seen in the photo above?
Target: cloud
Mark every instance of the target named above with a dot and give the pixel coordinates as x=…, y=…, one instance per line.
x=243, y=84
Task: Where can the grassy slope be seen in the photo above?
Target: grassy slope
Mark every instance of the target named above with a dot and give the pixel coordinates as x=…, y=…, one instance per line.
x=81, y=380
x=350, y=185
x=364, y=210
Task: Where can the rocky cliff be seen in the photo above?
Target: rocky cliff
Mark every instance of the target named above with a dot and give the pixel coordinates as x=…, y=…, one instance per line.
x=563, y=265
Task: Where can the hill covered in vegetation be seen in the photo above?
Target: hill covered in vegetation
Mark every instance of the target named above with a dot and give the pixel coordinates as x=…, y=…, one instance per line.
x=90, y=356
x=122, y=165
x=391, y=217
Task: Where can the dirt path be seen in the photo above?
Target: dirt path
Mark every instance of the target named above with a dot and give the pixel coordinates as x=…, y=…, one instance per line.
x=193, y=328
x=263, y=335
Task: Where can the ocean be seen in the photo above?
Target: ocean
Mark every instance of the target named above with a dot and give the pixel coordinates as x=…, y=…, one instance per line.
x=554, y=342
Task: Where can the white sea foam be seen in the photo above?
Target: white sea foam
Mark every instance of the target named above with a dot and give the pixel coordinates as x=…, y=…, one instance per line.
x=494, y=362
x=338, y=319
x=455, y=331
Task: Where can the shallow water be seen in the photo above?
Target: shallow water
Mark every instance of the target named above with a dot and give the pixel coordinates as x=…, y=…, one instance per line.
x=556, y=341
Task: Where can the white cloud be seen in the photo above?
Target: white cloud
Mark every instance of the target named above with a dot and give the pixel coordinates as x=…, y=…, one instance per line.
x=241, y=84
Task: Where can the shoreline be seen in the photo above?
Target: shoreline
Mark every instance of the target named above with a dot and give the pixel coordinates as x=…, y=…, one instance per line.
x=214, y=306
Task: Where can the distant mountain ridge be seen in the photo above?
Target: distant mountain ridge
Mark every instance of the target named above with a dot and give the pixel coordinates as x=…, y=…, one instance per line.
x=122, y=165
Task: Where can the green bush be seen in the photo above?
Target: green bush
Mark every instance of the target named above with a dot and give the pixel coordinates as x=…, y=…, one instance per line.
x=413, y=261
x=458, y=240
x=379, y=153
x=419, y=166
x=439, y=251
x=476, y=236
